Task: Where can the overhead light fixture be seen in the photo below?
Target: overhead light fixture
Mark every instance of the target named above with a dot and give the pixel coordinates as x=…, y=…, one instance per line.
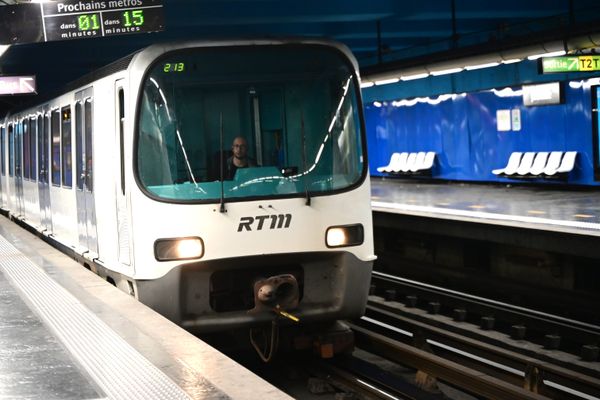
x=512, y=61
x=446, y=71
x=366, y=84
x=386, y=81
x=551, y=54
x=481, y=66
x=414, y=76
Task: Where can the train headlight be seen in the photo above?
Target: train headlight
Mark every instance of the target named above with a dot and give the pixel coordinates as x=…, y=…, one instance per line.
x=341, y=236
x=178, y=249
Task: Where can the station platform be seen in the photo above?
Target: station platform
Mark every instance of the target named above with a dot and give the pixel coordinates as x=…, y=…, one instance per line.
x=539, y=208
x=67, y=334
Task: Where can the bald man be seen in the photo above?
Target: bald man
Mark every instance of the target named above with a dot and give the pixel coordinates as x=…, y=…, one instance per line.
x=239, y=159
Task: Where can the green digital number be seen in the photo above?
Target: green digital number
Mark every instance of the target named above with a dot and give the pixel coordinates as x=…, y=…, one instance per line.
x=86, y=22
x=174, y=67
x=134, y=18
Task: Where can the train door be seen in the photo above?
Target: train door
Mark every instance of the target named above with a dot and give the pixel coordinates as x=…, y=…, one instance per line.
x=43, y=127
x=18, y=143
x=12, y=201
x=120, y=192
x=84, y=161
x=2, y=168
x=596, y=130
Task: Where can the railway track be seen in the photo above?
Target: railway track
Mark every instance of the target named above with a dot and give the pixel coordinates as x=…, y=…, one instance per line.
x=357, y=379
x=427, y=340
x=487, y=363
x=552, y=334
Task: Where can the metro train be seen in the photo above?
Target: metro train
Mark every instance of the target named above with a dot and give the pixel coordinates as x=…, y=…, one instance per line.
x=125, y=170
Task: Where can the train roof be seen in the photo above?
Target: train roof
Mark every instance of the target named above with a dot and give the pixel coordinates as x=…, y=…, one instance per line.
x=148, y=53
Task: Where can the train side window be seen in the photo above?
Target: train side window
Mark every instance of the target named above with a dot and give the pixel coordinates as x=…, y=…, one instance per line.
x=79, y=166
x=11, y=140
x=19, y=150
x=121, y=136
x=89, y=165
x=67, y=179
x=26, y=156
x=40, y=141
x=2, y=137
x=33, y=134
x=55, y=147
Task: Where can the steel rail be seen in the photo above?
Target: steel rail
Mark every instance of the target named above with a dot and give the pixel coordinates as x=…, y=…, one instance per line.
x=509, y=366
x=580, y=332
x=458, y=375
x=352, y=382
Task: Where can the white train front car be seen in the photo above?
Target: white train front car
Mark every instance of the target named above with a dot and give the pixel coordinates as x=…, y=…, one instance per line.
x=130, y=172
x=300, y=217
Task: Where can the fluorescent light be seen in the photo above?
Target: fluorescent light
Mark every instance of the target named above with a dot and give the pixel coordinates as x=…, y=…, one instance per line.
x=366, y=84
x=512, y=61
x=414, y=76
x=377, y=104
x=446, y=71
x=386, y=81
x=3, y=48
x=551, y=54
x=480, y=66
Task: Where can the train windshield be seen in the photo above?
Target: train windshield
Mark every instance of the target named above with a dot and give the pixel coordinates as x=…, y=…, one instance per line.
x=249, y=121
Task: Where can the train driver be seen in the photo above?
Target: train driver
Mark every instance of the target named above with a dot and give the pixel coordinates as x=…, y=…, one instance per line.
x=239, y=158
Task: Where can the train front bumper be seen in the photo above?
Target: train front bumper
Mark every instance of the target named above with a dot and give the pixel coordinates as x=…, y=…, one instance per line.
x=217, y=295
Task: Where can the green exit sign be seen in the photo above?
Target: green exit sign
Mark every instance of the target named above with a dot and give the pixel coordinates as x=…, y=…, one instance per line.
x=570, y=64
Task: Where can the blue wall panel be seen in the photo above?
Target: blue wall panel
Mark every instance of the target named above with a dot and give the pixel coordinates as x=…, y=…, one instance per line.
x=462, y=130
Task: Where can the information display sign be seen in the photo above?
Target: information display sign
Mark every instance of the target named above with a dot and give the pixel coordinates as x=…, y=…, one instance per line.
x=542, y=94
x=72, y=19
x=570, y=64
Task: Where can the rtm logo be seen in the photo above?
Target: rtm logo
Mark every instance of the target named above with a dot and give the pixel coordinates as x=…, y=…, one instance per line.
x=277, y=222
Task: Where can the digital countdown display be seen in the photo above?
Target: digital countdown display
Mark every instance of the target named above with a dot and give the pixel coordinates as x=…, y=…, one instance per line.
x=570, y=64
x=69, y=19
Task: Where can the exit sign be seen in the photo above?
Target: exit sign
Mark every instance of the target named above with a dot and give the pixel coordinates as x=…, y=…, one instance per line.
x=10, y=85
x=570, y=64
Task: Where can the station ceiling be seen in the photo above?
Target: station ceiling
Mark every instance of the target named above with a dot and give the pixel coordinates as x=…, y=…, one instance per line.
x=379, y=32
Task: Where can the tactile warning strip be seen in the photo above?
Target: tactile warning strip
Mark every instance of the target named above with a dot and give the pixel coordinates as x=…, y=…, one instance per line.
x=118, y=369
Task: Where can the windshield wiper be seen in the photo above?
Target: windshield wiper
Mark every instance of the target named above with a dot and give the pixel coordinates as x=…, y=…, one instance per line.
x=222, y=207
x=307, y=194
x=185, y=156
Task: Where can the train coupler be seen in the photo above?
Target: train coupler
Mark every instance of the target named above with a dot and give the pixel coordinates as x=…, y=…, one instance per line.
x=279, y=292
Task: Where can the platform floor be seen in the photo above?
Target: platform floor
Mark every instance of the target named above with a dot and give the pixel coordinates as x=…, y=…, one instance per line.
x=571, y=211
x=67, y=334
